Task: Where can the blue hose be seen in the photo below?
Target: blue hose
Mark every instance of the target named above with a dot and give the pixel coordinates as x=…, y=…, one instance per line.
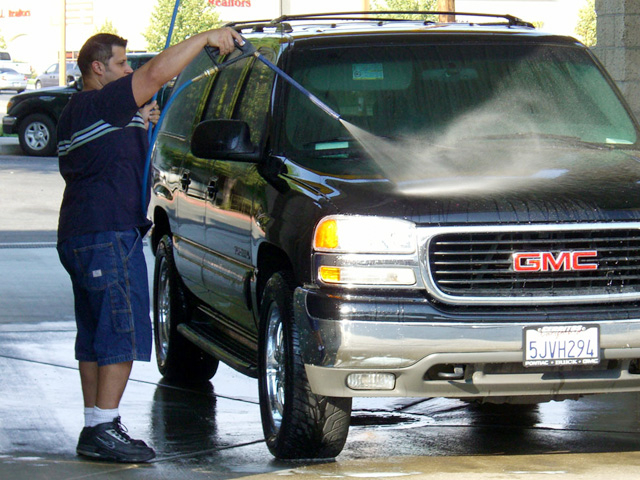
x=152, y=141
x=167, y=43
x=152, y=134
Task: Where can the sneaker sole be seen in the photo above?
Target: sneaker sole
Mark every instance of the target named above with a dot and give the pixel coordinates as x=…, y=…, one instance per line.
x=106, y=455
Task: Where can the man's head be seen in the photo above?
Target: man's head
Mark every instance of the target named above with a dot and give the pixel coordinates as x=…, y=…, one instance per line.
x=103, y=57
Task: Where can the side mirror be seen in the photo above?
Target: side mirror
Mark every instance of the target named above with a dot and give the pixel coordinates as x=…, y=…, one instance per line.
x=77, y=84
x=223, y=140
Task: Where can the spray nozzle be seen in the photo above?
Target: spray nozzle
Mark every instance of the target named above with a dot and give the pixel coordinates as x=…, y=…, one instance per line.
x=246, y=48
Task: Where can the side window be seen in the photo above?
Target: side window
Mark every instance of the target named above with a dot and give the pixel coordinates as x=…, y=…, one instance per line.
x=225, y=89
x=255, y=98
x=180, y=118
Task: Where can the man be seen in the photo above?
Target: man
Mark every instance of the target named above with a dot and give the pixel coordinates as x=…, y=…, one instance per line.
x=102, y=150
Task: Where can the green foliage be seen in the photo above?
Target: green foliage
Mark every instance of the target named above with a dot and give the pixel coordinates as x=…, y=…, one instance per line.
x=586, y=27
x=406, y=5
x=194, y=16
x=3, y=44
x=107, y=27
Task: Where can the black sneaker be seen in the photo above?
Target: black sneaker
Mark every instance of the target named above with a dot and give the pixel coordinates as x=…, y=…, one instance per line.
x=109, y=441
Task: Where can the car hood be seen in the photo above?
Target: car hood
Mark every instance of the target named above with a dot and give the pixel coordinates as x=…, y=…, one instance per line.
x=44, y=92
x=494, y=183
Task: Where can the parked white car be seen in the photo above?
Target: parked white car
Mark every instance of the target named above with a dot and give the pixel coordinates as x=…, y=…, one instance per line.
x=12, y=80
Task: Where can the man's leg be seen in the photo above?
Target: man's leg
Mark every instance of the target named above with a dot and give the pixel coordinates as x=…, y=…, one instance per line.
x=112, y=380
x=103, y=386
x=89, y=382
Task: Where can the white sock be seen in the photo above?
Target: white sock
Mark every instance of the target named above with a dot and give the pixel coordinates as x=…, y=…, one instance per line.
x=88, y=416
x=103, y=416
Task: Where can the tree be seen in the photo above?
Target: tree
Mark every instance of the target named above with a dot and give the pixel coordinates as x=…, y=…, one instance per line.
x=406, y=5
x=586, y=27
x=3, y=44
x=107, y=27
x=194, y=16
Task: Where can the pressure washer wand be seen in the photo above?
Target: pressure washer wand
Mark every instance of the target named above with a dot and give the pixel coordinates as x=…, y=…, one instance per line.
x=248, y=49
x=319, y=103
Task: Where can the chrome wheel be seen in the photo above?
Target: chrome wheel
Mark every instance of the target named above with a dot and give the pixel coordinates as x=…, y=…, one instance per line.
x=177, y=358
x=275, y=366
x=296, y=422
x=163, y=316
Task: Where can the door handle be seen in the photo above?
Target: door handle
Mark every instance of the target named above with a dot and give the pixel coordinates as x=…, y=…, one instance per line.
x=212, y=188
x=185, y=181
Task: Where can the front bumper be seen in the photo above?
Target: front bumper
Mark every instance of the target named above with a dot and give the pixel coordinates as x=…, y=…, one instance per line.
x=9, y=124
x=420, y=345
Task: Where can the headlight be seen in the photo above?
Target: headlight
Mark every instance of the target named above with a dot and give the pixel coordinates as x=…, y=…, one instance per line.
x=366, y=275
x=344, y=234
x=353, y=251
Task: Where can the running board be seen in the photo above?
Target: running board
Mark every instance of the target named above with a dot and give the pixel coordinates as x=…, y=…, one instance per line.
x=206, y=341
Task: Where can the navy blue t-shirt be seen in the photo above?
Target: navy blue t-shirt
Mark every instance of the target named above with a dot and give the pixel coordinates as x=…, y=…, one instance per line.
x=102, y=146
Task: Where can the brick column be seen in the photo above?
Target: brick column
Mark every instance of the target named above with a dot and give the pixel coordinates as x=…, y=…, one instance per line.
x=618, y=47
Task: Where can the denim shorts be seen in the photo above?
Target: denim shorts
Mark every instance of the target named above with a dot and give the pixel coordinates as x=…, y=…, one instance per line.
x=111, y=293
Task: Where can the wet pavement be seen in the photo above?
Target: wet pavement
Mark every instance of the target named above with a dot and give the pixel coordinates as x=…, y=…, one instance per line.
x=214, y=431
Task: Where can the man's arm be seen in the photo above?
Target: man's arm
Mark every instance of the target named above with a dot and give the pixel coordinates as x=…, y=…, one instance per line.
x=149, y=78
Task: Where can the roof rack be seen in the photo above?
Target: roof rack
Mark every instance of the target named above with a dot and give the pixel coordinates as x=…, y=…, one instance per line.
x=282, y=22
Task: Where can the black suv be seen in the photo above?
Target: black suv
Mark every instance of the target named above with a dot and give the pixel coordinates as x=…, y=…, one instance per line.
x=465, y=224
x=34, y=115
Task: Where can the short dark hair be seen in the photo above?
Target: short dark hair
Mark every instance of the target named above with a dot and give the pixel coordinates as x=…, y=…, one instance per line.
x=99, y=47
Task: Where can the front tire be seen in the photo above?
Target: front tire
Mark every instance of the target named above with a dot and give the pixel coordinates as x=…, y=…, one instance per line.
x=296, y=422
x=177, y=358
x=37, y=135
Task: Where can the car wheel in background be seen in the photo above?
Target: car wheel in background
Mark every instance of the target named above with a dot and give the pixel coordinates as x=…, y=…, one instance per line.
x=38, y=85
x=297, y=423
x=37, y=135
x=177, y=358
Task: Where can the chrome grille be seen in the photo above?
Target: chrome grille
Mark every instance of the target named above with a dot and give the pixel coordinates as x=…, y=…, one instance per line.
x=477, y=263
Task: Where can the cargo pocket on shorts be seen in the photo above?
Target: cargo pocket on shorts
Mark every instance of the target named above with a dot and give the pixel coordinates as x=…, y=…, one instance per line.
x=98, y=272
x=96, y=266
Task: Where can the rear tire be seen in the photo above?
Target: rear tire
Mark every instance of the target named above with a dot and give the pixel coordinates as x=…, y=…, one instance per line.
x=177, y=358
x=296, y=422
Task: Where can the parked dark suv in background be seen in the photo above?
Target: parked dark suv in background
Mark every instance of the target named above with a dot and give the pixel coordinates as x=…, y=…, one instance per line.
x=468, y=228
x=34, y=115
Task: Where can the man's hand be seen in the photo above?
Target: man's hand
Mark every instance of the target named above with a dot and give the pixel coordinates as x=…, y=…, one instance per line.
x=223, y=39
x=149, y=78
x=150, y=113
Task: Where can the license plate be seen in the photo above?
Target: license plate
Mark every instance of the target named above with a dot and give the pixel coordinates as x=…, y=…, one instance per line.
x=561, y=345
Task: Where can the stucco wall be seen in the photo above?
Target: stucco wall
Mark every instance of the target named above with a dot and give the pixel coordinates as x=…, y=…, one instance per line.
x=618, y=47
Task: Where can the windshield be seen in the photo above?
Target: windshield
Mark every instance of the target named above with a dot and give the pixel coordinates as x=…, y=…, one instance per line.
x=453, y=92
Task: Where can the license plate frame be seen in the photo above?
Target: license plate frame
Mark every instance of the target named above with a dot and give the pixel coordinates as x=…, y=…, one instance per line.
x=561, y=345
